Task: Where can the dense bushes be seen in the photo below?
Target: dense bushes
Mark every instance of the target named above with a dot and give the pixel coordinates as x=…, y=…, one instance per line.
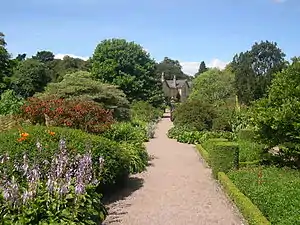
x=145, y=112
x=194, y=113
x=10, y=103
x=274, y=190
x=84, y=115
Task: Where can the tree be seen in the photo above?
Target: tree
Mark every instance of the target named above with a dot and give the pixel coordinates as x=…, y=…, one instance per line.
x=202, y=69
x=276, y=117
x=254, y=70
x=81, y=85
x=21, y=57
x=44, y=56
x=170, y=68
x=30, y=76
x=5, y=65
x=128, y=66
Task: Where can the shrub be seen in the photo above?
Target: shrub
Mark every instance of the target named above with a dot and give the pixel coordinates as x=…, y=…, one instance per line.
x=276, y=117
x=81, y=85
x=194, y=113
x=275, y=191
x=250, y=211
x=175, y=131
x=250, y=150
x=125, y=131
x=10, y=103
x=203, y=153
x=246, y=134
x=223, y=156
x=19, y=142
x=145, y=112
x=84, y=115
x=66, y=196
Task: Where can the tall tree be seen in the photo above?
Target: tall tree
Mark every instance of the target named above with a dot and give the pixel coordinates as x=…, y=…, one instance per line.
x=5, y=65
x=44, y=56
x=170, y=68
x=202, y=69
x=30, y=76
x=21, y=57
x=254, y=70
x=128, y=66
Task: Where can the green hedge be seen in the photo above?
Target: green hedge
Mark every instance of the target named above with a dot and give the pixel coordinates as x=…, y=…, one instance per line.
x=120, y=158
x=246, y=134
x=223, y=156
x=250, y=212
x=203, y=153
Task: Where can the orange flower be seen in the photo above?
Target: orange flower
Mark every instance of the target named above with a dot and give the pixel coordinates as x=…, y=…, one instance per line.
x=24, y=135
x=52, y=133
x=21, y=139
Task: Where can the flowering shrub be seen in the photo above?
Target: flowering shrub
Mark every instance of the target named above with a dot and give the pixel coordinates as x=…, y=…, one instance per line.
x=117, y=159
x=85, y=115
x=65, y=196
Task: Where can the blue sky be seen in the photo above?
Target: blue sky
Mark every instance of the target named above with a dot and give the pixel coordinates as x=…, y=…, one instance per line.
x=189, y=31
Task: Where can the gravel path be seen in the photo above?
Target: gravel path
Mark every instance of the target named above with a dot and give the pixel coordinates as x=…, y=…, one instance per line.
x=177, y=189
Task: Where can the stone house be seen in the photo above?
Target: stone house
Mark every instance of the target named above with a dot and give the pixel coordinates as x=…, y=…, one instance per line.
x=173, y=89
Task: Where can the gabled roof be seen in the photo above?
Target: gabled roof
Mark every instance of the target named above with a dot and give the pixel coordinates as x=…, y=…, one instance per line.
x=179, y=83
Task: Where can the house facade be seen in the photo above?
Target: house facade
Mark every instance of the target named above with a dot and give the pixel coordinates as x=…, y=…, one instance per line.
x=176, y=89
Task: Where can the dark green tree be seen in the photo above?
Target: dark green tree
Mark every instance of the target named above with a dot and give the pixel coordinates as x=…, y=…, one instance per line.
x=129, y=66
x=202, y=69
x=170, y=68
x=30, y=76
x=44, y=56
x=21, y=57
x=254, y=70
x=5, y=65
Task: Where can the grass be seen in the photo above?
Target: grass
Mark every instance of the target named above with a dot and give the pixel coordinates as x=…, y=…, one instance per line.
x=275, y=191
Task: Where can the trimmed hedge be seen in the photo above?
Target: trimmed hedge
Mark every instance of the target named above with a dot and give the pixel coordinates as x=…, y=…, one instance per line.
x=246, y=134
x=224, y=156
x=203, y=153
x=250, y=212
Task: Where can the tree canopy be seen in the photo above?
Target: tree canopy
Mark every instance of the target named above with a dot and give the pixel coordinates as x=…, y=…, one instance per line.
x=254, y=70
x=170, y=68
x=129, y=66
x=202, y=69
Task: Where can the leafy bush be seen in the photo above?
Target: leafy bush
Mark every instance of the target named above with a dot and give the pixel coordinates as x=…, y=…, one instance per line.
x=250, y=211
x=175, y=131
x=223, y=156
x=81, y=85
x=125, y=131
x=145, y=112
x=194, y=113
x=84, y=115
x=10, y=103
x=276, y=117
x=250, y=150
x=19, y=142
x=276, y=192
x=66, y=195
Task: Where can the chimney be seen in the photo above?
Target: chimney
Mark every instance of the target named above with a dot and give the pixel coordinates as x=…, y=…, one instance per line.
x=174, y=80
x=162, y=77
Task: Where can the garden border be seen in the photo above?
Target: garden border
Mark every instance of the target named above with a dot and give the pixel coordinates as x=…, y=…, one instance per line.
x=246, y=207
x=250, y=211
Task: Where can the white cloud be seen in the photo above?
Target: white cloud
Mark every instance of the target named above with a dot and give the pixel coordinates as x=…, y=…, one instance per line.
x=191, y=68
x=61, y=56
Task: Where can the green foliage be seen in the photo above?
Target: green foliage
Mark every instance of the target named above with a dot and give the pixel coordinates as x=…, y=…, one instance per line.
x=194, y=113
x=250, y=211
x=117, y=161
x=254, y=70
x=250, y=150
x=276, y=118
x=214, y=86
x=5, y=66
x=202, y=69
x=203, y=153
x=44, y=56
x=170, y=68
x=30, y=76
x=223, y=156
x=276, y=192
x=144, y=111
x=189, y=135
x=81, y=85
x=125, y=131
x=129, y=66
x=10, y=103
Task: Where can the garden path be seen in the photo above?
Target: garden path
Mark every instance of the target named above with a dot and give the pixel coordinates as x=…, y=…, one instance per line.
x=176, y=189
